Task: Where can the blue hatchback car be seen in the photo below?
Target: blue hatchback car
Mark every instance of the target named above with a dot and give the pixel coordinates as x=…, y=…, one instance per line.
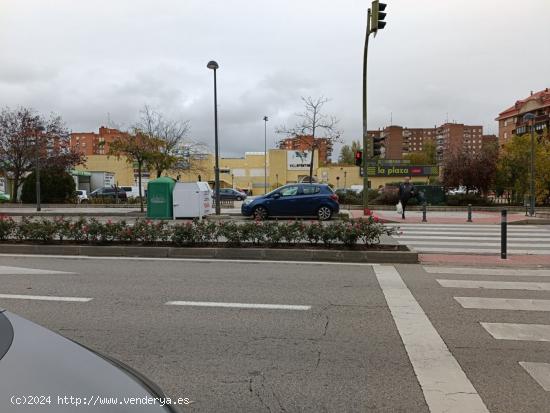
x=294, y=200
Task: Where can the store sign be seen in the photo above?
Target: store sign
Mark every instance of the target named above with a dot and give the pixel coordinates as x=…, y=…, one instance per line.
x=401, y=170
x=298, y=160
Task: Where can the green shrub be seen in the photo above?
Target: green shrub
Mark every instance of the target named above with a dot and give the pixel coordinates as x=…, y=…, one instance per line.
x=56, y=186
x=465, y=199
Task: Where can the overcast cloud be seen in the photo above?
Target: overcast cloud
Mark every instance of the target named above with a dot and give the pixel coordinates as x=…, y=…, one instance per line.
x=93, y=60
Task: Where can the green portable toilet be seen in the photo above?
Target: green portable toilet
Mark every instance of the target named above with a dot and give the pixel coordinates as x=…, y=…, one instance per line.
x=159, y=198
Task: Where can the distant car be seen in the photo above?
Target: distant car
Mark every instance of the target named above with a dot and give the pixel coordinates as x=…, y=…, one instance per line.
x=82, y=196
x=294, y=200
x=133, y=191
x=61, y=367
x=4, y=197
x=232, y=194
x=109, y=193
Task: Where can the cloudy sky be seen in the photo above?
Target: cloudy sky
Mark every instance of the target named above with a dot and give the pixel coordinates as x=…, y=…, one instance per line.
x=91, y=61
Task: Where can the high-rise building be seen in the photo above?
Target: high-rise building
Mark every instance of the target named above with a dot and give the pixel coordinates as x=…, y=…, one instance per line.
x=510, y=121
x=305, y=143
x=91, y=143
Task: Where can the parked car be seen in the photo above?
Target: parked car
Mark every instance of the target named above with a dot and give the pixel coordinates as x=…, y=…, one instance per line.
x=294, y=200
x=4, y=197
x=133, y=191
x=63, y=367
x=232, y=194
x=109, y=193
x=82, y=196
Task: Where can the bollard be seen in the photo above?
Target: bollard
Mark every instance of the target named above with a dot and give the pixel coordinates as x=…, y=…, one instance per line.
x=424, y=212
x=469, y=212
x=503, y=233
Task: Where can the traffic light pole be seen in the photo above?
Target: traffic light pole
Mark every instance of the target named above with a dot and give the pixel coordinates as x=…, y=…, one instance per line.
x=365, y=130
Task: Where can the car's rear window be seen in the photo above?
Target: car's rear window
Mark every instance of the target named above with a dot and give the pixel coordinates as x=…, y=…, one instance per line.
x=310, y=190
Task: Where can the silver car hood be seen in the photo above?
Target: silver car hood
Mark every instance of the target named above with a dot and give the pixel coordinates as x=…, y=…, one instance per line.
x=40, y=362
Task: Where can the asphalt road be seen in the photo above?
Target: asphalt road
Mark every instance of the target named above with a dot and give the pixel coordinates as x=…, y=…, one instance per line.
x=343, y=351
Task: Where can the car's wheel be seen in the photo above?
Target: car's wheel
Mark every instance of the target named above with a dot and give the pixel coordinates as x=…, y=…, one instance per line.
x=239, y=198
x=260, y=212
x=324, y=213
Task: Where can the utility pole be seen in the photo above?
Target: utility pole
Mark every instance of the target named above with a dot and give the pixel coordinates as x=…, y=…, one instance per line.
x=265, y=154
x=375, y=22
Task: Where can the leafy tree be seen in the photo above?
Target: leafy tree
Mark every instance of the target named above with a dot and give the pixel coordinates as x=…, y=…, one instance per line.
x=56, y=186
x=311, y=122
x=347, y=153
x=513, y=172
x=27, y=137
x=138, y=148
x=462, y=167
x=175, y=151
x=425, y=157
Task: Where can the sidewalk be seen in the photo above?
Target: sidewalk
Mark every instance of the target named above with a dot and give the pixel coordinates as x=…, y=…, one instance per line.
x=485, y=260
x=440, y=217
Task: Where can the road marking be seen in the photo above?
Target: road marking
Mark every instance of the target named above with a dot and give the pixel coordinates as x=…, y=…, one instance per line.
x=210, y=260
x=495, y=285
x=526, y=332
x=540, y=372
x=480, y=250
x=5, y=270
x=444, y=384
x=45, y=298
x=494, y=238
x=240, y=305
x=541, y=246
x=487, y=271
x=504, y=303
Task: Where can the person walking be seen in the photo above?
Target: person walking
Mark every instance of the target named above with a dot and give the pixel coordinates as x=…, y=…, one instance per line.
x=406, y=192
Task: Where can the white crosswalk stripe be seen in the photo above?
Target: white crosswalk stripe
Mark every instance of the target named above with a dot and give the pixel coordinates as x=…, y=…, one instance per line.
x=480, y=239
x=531, y=330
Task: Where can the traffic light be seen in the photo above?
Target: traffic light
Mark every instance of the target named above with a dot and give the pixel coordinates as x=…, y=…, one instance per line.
x=377, y=16
x=377, y=146
x=358, y=158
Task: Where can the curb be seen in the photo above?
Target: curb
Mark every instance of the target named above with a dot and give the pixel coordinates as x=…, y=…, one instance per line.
x=271, y=254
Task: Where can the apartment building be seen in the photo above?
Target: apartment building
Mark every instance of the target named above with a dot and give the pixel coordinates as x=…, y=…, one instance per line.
x=457, y=136
x=91, y=143
x=305, y=143
x=510, y=121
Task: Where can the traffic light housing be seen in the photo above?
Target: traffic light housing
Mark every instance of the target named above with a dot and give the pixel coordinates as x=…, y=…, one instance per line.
x=377, y=16
x=358, y=158
x=377, y=146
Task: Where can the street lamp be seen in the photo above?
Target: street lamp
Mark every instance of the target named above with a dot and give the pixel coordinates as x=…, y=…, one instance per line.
x=265, y=154
x=531, y=117
x=214, y=66
x=37, y=132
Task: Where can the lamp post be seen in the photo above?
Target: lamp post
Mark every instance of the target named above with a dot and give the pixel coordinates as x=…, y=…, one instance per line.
x=37, y=133
x=531, y=117
x=214, y=66
x=265, y=154
x=345, y=176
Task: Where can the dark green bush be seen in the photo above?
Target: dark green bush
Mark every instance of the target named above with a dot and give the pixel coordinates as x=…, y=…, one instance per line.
x=465, y=199
x=56, y=187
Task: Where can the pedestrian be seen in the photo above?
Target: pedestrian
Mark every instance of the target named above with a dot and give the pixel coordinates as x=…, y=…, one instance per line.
x=406, y=192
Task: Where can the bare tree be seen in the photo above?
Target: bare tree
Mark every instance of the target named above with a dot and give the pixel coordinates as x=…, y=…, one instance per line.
x=176, y=151
x=311, y=123
x=26, y=138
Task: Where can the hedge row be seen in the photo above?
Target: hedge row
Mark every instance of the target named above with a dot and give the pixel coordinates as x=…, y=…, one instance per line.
x=195, y=233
